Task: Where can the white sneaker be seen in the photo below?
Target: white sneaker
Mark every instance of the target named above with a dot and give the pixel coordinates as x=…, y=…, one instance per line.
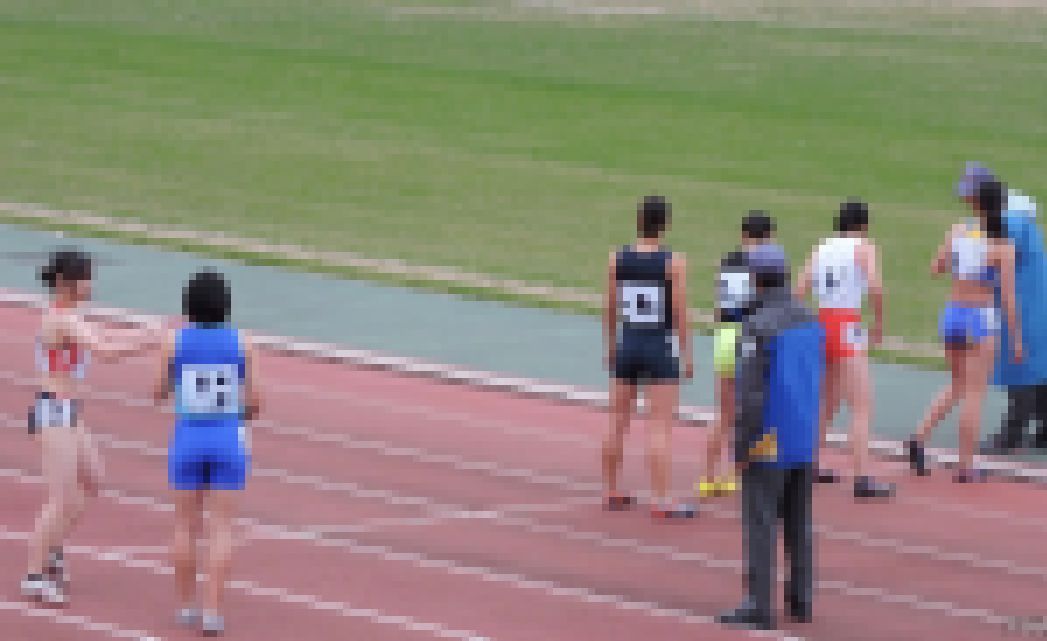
x=187, y=617
x=212, y=625
x=44, y=590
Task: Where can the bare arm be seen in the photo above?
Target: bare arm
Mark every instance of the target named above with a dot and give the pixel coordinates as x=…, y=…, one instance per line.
x=253, y=397
x=803, y=283
x=1006, y=261
x=86, y=333
x=162, y=390
x=679, y=311
x=610, y=315
x=940, y=264
x=869, y=262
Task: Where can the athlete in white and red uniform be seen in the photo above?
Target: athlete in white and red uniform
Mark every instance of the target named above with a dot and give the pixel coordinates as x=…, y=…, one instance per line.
x=842, y=270
x=71, y=464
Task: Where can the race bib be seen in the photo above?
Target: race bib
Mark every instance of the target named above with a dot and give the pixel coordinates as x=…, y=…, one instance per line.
x=855, y=336
x=969, y=255
x=642, y=304
x=210, y=389
x=733, y=290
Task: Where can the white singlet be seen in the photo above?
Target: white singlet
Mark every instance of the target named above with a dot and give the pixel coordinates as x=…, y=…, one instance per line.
x=839, y=282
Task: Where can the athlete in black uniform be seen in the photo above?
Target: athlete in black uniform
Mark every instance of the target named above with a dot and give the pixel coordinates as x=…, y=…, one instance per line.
x=646, y=336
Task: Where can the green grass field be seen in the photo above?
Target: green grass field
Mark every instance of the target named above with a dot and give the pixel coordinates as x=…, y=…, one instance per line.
x=515, y=141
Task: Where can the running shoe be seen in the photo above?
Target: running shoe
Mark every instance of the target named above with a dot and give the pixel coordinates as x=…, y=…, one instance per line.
x=826, y=475
x=968, y=475
x=188, y=617
x=865, y=487
x=727, y=485
x=706, y=488
x=673, y=512
x=40, y=588
x=212, y=625
x=619, y=502
x=917, y=457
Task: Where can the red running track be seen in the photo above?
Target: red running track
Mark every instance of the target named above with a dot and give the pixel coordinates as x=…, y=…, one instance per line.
x=390, y=507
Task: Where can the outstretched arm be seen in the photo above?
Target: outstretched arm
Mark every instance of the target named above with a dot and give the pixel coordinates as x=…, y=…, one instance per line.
x=102, y=345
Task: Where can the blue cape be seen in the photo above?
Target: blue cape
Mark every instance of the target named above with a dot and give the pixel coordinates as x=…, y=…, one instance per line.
x=1030, y=285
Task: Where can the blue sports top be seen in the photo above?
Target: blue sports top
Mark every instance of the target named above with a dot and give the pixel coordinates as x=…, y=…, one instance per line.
x=208, y=372
x=644, y=290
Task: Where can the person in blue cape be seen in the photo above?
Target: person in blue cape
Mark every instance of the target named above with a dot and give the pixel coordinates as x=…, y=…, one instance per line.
x=1026, y=381
x=777, y=396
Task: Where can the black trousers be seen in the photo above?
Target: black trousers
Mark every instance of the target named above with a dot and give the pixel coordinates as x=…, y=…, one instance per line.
x=1025, y=403
x=770, y=494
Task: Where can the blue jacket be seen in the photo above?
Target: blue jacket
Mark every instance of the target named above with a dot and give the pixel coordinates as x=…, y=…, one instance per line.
x=779, y=376
x=1030, y=285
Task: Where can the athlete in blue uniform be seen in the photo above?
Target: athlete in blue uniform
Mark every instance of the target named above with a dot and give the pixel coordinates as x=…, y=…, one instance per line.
x=647, y=334
x=982, y=266
x=209, y=367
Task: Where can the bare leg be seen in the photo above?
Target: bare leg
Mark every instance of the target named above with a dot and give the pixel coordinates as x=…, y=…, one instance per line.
x=946, y=398
x=979, y=364
x=830, y=400
x=64, y=497
x=663, y=399
x=855, y=383
x=220, y=505
x=715, y=444
x=188, y=521
x=623, y=399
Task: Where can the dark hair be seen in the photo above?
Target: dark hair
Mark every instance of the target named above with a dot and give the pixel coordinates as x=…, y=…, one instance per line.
x=853, y=216
x=67, y=265
x=652, y=216
x=991, y=198
x=206, y=298
x=770, y=280
x=758, y=225
x=735, y=258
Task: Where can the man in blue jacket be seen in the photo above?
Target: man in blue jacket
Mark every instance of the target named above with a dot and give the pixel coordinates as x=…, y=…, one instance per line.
x=779, y=373
x=1026, y=381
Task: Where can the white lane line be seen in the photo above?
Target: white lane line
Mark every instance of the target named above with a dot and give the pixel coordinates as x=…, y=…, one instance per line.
x=79, y=622
x=252, y=589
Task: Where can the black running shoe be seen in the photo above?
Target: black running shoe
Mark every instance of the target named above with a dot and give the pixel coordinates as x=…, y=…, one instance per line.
x=917, y=458
x=619, y=502
x=968, y=475
x=673, y=512
x=866, y=487
x=826, y=475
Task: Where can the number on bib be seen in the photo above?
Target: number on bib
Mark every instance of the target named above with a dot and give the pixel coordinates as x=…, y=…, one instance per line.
x=831, y=281
x=210, y=389
x=642, y=304
x=855, y=336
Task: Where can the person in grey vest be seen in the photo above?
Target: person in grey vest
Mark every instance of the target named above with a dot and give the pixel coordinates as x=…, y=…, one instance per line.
x=778, y=388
